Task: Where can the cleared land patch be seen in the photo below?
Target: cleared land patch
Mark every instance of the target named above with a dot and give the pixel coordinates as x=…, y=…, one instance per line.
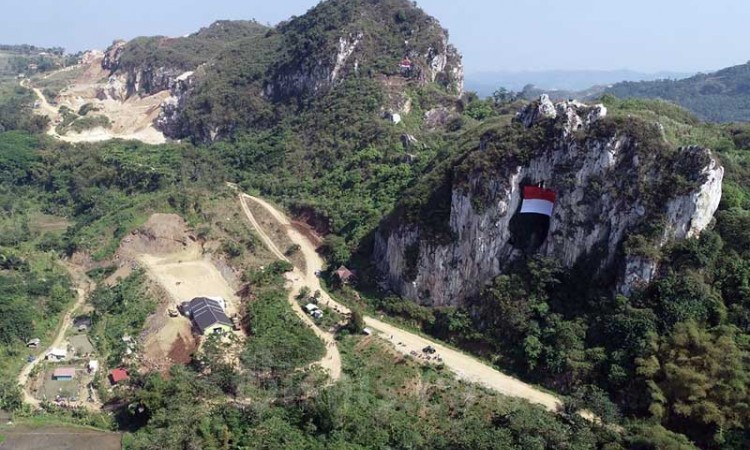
x=24, y=437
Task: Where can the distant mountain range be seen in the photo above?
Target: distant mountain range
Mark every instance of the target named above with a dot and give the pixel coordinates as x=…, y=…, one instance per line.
x=721, y=96
x=485, y=83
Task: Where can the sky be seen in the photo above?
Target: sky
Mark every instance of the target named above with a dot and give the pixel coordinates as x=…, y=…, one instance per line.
x=492, y=35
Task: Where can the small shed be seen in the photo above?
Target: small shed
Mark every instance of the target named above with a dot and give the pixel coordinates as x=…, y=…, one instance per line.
x=34, y=343
x=345, y=275
x=63, y=374
x=311, y=308
x=117, y=376
x=93, y=366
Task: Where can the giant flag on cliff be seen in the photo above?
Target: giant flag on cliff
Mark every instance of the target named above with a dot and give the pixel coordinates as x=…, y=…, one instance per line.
x=537, y=200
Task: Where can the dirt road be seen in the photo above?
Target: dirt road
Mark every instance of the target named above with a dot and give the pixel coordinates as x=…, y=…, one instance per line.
x=331, y=362
x=464, y=366
x=85, y=285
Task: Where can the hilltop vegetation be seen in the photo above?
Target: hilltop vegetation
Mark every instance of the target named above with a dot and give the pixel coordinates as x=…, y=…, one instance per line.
x=722, y=96
x=189, y=52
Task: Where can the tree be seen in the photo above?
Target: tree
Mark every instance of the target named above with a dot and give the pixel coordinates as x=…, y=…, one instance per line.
x=699, y=381
x=11, y=398
x=356, y=322
x=336, y=250
x=503, y=96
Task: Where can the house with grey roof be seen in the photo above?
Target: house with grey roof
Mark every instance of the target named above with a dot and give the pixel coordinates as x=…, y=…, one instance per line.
x=208, y=315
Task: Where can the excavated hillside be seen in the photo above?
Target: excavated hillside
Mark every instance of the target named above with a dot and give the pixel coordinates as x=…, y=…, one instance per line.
x=623, y=192
x=235, y=76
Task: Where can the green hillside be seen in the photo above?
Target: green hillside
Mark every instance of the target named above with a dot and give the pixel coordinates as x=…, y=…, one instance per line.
x=722, y=96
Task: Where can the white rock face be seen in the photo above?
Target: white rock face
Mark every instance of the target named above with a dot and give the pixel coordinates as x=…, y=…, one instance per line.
x=346, y=48
x=169, y=116
x=699, y=207
x=544, y=109
x=600, y=203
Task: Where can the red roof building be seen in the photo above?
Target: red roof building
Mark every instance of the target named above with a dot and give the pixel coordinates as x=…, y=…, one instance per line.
x=118, y=375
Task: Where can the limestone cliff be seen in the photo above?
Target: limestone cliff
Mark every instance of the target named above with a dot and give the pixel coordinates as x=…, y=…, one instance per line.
x=615, y=178
x=339, y=38
x=126, y=81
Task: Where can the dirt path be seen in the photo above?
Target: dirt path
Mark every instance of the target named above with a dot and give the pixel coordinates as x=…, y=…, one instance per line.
x=85, y=285
x=464, y=366
x=332, y=359
x=49, y=110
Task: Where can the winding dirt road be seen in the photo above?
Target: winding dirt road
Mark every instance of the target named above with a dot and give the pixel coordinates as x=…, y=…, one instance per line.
x=464, y=366
x=331, y=362
x=85, y=286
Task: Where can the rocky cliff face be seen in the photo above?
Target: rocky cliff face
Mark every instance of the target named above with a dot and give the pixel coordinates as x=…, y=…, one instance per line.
x=614, y=179
x=370, y=38
x=127, y=81
x=169, y=121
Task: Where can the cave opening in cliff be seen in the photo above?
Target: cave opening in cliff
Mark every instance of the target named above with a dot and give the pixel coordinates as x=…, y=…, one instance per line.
x=530, y=224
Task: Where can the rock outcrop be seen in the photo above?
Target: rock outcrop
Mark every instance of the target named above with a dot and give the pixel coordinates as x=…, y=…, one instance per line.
x=141, y=79
x=612, y=177
x=362, y=43
x=169, y=121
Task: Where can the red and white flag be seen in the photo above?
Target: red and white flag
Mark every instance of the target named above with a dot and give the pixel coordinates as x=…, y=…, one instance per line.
x=538, y=200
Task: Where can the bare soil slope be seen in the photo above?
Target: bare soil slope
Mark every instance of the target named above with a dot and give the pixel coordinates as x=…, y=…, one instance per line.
x=174, y=260
x=132, y=118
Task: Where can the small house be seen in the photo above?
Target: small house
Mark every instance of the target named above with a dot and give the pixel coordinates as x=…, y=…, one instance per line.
x=34, y=343
x=117, y=376
x=57, y=354
x=344, y=275
x=92, y=366
x=64, y=374
x=208, y=315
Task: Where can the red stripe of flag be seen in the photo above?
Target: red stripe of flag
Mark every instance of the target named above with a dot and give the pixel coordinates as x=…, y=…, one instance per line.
x=537, y=193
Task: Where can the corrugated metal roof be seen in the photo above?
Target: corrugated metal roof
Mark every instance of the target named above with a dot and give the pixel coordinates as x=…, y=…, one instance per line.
x=118, y=375
x=207, y=312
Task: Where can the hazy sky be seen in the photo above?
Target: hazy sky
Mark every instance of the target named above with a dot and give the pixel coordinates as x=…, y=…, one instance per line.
x=645, y=35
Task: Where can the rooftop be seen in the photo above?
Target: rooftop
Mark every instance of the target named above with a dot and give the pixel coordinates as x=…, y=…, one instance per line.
x=64, y=372
x=207, y=312
x=118, y=375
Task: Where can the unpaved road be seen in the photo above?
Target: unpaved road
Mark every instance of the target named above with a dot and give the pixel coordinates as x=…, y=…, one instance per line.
x=464, y=366
x=331, y=362
x=85, y=285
